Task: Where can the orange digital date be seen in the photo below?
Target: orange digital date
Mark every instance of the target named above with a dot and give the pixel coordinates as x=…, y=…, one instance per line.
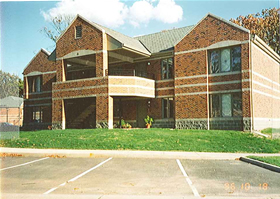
x=244, y=186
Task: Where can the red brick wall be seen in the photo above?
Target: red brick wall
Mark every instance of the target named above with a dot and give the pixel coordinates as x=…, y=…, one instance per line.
x=129, y=109
x=102, y=109
x=57, y=111
x=78, y=88
x=210, y=31
x=155, y=110
x=187, y=64
x=91, y=39
x=155, y=69
x=14, y=115
x=40, y=63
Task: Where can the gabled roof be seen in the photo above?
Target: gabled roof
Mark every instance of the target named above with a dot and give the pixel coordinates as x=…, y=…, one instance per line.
x=11, y=102
x=165, y=40
x=126, y=41
x=41, y=50
x=221, y=19
x=152, y=43
x=45, y=51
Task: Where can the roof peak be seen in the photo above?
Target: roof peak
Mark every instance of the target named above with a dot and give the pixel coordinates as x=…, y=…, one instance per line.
x=163, y=31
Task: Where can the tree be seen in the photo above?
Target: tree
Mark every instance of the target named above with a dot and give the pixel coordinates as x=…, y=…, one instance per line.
x=265, y=25
x=57, y=25
x=20, y=87
x=10, y=85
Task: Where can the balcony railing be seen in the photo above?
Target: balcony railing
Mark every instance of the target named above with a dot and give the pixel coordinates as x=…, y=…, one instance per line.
x=131, y=72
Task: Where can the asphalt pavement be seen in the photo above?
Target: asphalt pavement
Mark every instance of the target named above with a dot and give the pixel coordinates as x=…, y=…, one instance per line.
x=47, y=177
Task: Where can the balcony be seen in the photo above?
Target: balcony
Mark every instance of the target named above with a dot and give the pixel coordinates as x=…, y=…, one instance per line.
x=131, y=72
x=131, y=83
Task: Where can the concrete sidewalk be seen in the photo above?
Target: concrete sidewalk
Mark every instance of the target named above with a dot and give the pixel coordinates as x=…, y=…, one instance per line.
x=128, y=154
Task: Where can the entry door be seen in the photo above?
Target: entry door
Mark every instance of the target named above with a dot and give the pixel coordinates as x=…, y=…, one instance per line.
x=141, y=113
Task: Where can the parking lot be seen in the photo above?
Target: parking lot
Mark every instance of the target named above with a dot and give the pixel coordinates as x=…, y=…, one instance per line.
x=36, y=177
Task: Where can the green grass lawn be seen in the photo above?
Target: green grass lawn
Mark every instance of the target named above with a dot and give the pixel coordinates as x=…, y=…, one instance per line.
x=269, y=131
x=145, y=139
x=270, y=160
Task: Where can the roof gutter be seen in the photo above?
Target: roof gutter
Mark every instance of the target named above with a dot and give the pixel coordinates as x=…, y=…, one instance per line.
x=135, y=51
x=266, y=48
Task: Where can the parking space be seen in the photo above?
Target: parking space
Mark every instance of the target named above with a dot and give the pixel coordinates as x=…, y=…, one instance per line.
x=137, y=177
x=132, y=177
x=41, y=176
x=13, y=161
x=232, y=178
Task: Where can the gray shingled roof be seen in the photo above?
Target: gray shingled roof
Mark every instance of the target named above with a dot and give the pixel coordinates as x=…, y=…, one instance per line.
x=165, y=40
x=11, y=102
x=153, y=43
x=125, y=40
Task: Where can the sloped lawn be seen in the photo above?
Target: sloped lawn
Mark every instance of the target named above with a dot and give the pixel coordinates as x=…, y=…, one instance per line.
x=275, y=160
x=145, y=139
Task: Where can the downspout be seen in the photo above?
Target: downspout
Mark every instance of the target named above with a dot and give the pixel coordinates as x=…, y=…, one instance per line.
x=207, y=87
x=251, y=84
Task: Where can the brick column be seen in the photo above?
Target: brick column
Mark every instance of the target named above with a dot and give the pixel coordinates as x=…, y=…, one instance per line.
x=101, y=64
x=58, y=114
x=104, y=112
x=61, y=71
x=246, y=87
x=102, y=58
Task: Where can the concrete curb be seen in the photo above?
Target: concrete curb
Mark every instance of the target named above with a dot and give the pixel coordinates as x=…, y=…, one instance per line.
x=261, y=164
x=125, y=154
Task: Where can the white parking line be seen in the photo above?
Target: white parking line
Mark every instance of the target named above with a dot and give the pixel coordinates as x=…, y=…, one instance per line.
x=19, y=165
x=194, y=190
x=75, y=178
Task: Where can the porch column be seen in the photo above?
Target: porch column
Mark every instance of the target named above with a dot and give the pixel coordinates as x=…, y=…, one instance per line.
x=58, y=114
x=25, y=88
x=102, y=59
x=104, y=112
x=61, y=71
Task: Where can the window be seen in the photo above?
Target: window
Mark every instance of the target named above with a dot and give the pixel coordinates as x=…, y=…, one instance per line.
x=167, y=68
x=78, y=32
x=225, y=60
x=226, y=105
x=167, y=108
x=35, y=84
x=37, y=114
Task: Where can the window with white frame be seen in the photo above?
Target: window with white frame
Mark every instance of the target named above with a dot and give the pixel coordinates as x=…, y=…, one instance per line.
x=225, y=60
x=226, y=105
x=167, y=68
x=37, y=114
x=35, y=84
x=167, y=108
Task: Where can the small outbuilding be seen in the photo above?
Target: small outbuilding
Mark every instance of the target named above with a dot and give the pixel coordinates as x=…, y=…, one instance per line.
x=11, y=110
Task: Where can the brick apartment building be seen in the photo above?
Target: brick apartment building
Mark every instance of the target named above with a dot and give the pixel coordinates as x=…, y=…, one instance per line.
x=213, y=75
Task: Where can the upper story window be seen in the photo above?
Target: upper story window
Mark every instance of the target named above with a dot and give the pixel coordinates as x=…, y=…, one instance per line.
x=225, y=60
x=35, y=84
x=167, y=68
x=78, y=32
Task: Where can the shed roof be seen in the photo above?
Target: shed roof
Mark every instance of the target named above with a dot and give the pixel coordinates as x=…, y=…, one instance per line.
x=11, y=102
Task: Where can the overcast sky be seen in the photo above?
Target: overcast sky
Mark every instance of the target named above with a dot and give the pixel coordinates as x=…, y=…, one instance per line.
x=21, y=21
